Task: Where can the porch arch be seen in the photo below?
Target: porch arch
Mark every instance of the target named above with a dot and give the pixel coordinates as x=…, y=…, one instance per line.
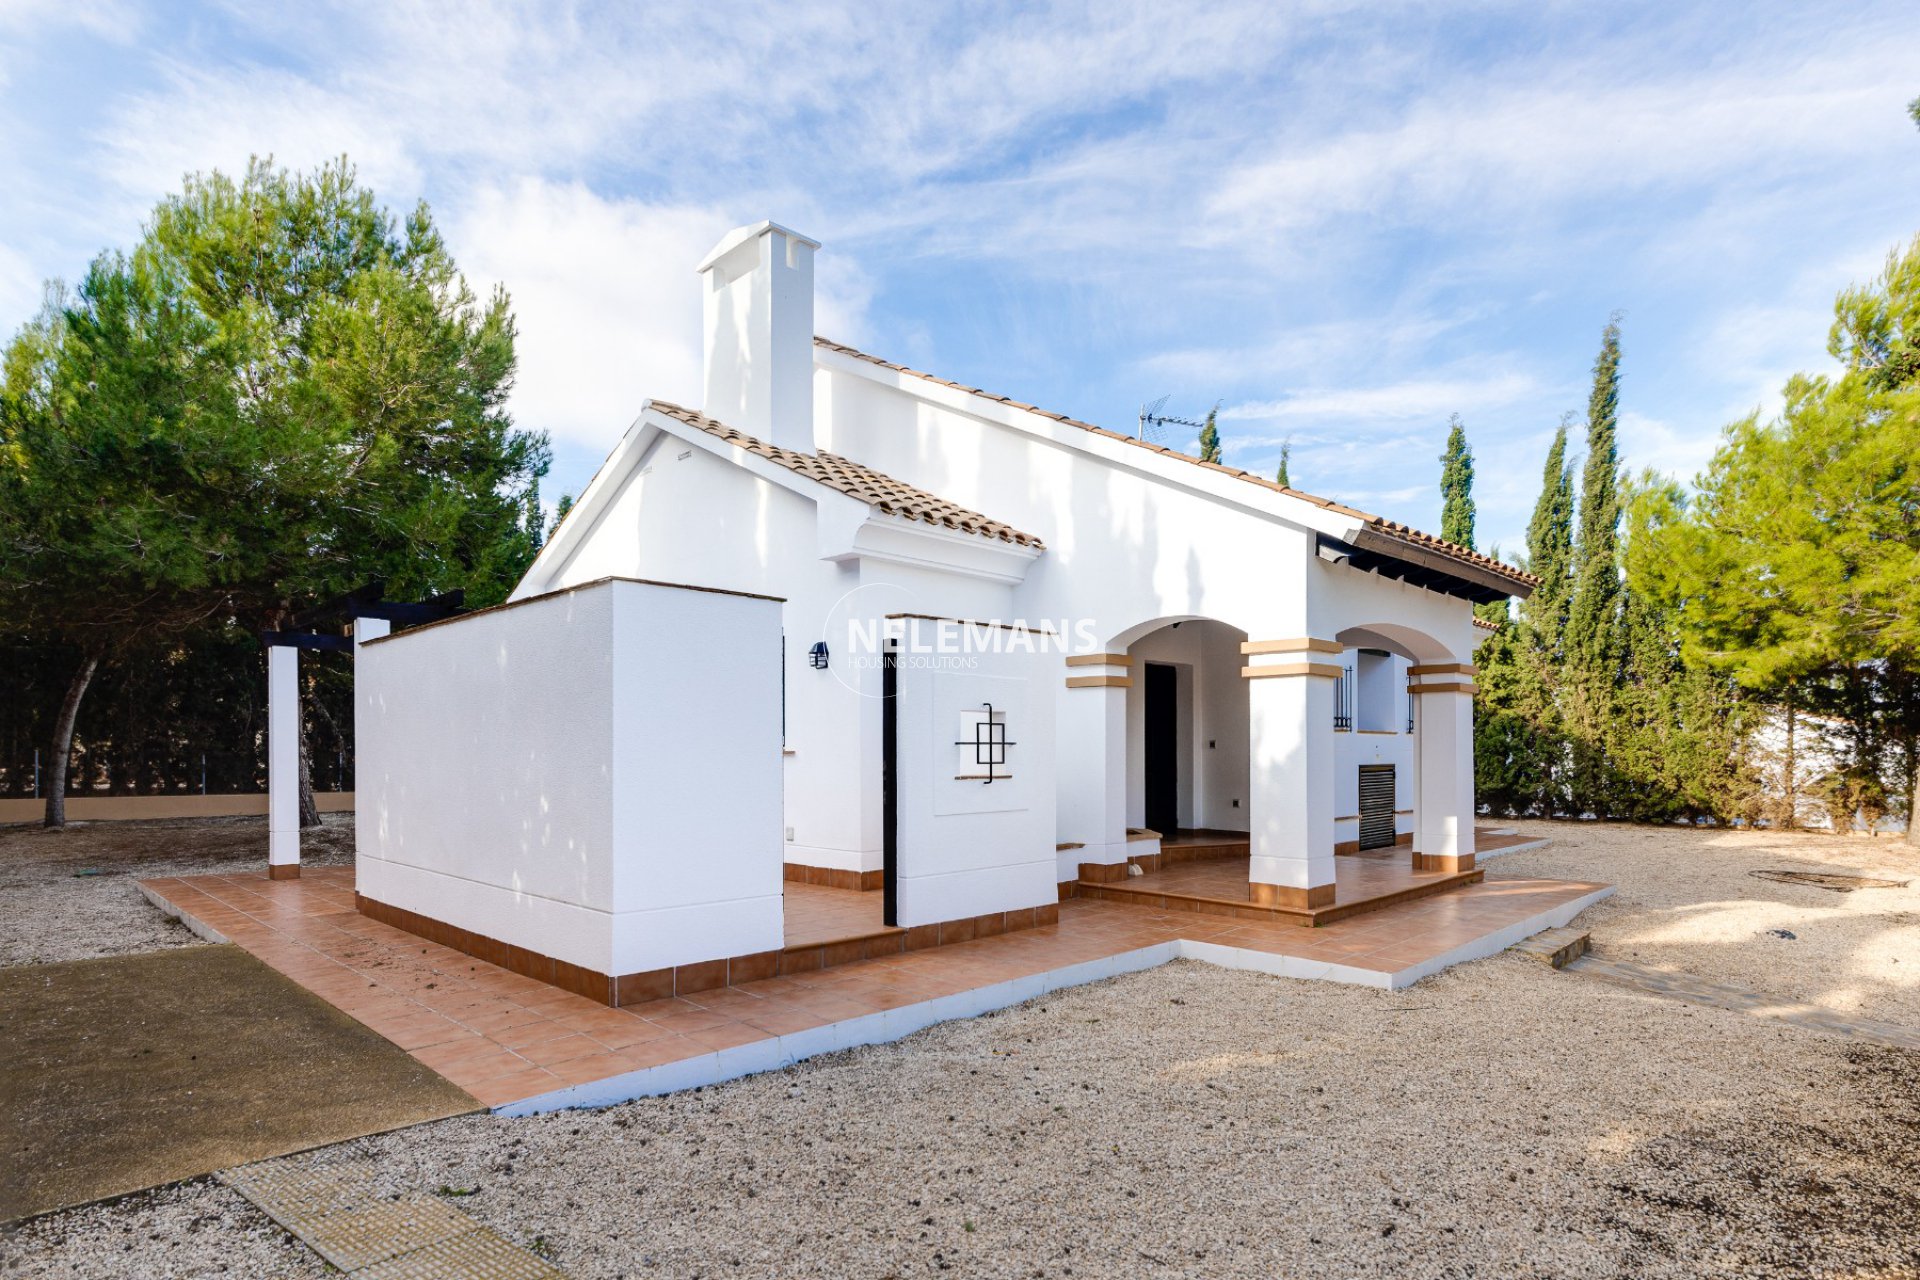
x=1439, y=692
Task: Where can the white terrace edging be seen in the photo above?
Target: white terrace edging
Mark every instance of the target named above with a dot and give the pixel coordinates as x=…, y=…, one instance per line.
x=896, y=1024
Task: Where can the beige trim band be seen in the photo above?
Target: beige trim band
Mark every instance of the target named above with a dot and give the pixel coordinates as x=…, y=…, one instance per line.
x=1099, y=660
x=1305, y=644
x=1445, y=669
x=1326, y=669
x=1099, y=682
x=1443, y=688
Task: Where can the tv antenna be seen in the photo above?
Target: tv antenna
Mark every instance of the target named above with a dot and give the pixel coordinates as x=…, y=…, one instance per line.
x=1153, y=422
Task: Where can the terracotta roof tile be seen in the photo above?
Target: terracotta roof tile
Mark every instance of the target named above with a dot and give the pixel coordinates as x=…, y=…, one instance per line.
x=881, y=492
x=1391, y=527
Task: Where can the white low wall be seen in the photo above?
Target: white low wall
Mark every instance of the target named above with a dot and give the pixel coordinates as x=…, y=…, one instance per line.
x=593, y=775
x=235, y=804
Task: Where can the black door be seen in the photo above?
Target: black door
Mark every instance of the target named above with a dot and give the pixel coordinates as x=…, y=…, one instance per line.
x=889, y=792
x=1376, y=806
x=1163, y=749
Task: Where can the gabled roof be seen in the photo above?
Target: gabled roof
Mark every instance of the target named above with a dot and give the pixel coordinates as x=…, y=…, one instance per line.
x=1389, y=531
x=882, y=492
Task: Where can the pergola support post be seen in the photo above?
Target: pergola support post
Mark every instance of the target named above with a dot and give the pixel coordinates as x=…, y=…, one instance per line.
x=283, y=762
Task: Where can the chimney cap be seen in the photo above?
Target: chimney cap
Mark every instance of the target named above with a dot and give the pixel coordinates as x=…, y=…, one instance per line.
x=741, y=235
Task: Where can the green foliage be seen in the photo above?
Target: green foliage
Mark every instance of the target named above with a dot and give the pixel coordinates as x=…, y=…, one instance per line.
x=1588, y=703
x=278, y=394
x=1456, y=487
x=1550, y=549
x=1593, y=614
x=1593, y=645
x=1210, y=437
x=1796, y=569
x=1284, y=476
x=1876, y=327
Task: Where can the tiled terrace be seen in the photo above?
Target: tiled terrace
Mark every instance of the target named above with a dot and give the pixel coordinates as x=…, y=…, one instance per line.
x=518, y=1044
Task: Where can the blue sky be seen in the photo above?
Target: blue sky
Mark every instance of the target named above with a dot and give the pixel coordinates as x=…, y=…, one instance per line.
x=1343, y=223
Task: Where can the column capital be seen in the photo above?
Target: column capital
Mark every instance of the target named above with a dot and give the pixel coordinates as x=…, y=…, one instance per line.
x=1326, y=670
x=1300, y=644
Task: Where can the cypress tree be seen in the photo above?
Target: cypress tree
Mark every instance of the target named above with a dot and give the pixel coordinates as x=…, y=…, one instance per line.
x=1550, y=549
x=1456, y=487
x=1210, y=437
x=1594, y=646
x=1286, y=455
x=1592, y=624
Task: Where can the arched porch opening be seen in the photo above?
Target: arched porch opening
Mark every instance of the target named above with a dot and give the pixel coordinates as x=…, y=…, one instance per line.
x=1403, y=749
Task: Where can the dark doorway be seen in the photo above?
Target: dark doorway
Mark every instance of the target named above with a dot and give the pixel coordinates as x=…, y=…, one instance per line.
x=1163, y=748
x=889, y=791
x=1376, y=806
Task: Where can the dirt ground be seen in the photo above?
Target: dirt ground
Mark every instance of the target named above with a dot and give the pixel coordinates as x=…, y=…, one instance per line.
x=69, y=895
x=1500, y=1119
x=1688, y=900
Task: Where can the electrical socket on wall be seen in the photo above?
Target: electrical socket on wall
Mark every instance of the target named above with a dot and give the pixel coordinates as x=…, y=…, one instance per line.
x=1236, y=804
x=790, y=829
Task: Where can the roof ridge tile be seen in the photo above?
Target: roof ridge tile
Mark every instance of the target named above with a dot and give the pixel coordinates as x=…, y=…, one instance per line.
x=857, y=480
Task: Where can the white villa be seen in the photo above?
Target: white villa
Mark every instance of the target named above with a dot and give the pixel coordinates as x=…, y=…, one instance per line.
x=1020, y=657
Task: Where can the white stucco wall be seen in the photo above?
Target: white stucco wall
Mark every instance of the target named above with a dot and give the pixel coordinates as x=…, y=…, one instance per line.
x=968, y=847
x=593, y=775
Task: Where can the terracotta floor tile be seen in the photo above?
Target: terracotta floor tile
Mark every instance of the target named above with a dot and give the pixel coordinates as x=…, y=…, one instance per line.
x=659, y=1052
x=529, y=1082
x=637, y=1031
x=728, y=1036
x=490, y=1030
x=692, y=1020
x=596, y=1066
x=546, y=1053
x=526, y=1033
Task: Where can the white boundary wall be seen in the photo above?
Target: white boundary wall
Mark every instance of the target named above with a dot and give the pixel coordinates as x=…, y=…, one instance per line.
x=593, y=775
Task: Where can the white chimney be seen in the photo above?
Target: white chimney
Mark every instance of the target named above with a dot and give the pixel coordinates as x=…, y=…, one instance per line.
x=758, y=307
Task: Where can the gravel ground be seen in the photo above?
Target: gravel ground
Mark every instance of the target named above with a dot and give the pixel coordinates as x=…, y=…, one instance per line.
x=1686, y=901
x=49, y=912
x=1498, y=1120
x=191, y=1229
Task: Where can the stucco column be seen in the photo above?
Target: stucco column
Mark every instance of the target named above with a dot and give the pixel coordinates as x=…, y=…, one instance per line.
x=1290, y=692
x=283, y=762
x=1090, y=750
x=364, y=833
x=1444, y=806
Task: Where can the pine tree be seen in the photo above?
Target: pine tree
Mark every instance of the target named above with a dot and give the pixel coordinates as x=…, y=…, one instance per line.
x=1286, y=455
x=1456, y=487
x=1210, y=437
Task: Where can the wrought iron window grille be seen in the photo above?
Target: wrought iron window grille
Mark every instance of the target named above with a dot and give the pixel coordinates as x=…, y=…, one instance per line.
x=989, y=743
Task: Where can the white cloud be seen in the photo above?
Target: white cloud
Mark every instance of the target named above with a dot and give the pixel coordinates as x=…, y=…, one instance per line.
x=604, y=295
x=1430, y=399
x=203, y=121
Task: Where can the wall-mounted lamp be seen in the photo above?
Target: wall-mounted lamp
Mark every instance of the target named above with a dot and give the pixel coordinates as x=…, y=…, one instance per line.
x=817, y=656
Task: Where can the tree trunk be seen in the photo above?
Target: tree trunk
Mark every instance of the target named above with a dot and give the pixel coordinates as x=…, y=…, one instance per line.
x=1913, y=810
x=309, y=811
x=1793, y=767
x=63, y=740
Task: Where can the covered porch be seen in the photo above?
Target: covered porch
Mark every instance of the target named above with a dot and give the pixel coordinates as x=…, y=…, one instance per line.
x=1299, y=780
x=1208, y=873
